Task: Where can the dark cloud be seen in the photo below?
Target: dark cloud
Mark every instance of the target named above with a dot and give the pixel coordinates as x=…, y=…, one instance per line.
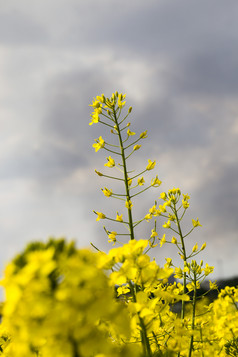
x=212, y=73
x=177, y=63
x=220, y=192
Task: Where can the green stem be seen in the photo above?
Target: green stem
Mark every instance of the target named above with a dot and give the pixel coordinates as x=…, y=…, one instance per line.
x=184, y=259
x=125, y=175
x=144, y=338
x=193, y=314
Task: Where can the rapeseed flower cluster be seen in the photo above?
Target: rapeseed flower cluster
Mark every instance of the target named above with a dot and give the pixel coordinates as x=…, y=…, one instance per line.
x=69, y=302
x=58, y=302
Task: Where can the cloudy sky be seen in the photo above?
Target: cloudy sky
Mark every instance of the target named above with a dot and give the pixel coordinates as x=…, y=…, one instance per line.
x=177, y=62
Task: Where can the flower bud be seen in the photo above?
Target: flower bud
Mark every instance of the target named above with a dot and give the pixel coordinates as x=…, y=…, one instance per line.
x=98, y=173
x=174, y=240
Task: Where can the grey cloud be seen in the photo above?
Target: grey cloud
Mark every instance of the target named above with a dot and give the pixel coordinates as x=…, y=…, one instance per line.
x=155, y=27
x=219, y=195
x=47, y=162
x=196, y=44
x=17, y=28
x=212, y=72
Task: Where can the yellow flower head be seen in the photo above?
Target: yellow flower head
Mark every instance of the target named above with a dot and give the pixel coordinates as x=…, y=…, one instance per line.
x=136, y=147
x=100, y=216
x=151, y=165
x=129, y=181
x=112, y=237
x=195, y=248
x=110, y=162
x=167, y=224
x=100, y=143
x=162, y=209
x=119, y=218
x=101, y=98
x=213, y=286
x=147, y=217
x=143, y=135
x=185, y=204
x=208, y=269
x=95, y=118
x=95, y=103
x=196, y=223
x=156, y=182
x=168, y=262
x=163, y=240
x=178, y=273
x=153, y=233
x=124, y=289
x=141, y=181
x=120, y=99
x=174, y=240
x=186, y=197
x=163, y=196
x=153, y=210
x=129, y=133
x=128, y=204
x=107, y=192
x=191, y=286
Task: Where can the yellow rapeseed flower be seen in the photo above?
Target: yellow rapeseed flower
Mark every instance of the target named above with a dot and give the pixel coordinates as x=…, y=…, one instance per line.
x=178, y=273
x=143, y=135
x=107, y=192
x=213, y=286
x=208, y=269
x=110, y=162
x=196, y=223
x=147, y=217
x=129, y=181
x=163, y=240
x=119, y=218
x=141, y=181
x=112, y=237
x=151, y=165
x=163, y=196
x=195, y=248
x=167, y=224
x=156, y=182
x=153, y=233
x=129, y=133
x=185, y=204
x=128, y=204
x=100, y=143
x=95, y=103
x=100, y=216
x=120, y=99
x=174, y=240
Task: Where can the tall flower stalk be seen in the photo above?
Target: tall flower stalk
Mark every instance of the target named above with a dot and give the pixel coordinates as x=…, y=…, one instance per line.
x=134, y=278
x=107, y=111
